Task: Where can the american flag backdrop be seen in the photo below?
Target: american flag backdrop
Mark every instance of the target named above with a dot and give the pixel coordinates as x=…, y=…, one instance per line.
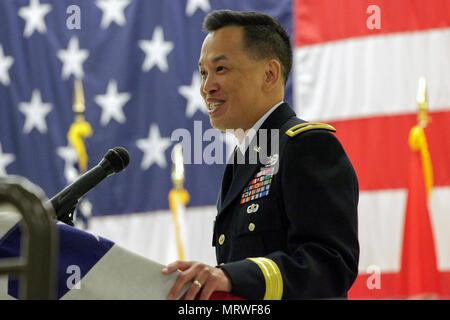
x=137, y=60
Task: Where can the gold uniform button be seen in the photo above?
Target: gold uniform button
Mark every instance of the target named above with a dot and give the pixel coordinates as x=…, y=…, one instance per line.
x=221, y=239
x=251, y=226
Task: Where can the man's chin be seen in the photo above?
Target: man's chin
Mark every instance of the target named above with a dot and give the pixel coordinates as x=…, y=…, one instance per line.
x=217, y=125
x=223, y=127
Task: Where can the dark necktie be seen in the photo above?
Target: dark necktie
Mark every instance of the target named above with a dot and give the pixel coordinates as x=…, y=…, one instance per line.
x=238, y=159
x=235, y=161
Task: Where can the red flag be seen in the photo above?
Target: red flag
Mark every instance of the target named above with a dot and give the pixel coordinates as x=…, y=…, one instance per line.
x=418, y=275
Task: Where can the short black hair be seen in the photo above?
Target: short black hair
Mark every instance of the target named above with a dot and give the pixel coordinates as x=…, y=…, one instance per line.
x=264, y=37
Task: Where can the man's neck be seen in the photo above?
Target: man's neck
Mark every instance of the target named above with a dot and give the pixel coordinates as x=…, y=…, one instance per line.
x=241, y=134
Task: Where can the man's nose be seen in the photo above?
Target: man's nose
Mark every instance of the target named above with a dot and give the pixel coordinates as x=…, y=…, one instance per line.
x=210, y=85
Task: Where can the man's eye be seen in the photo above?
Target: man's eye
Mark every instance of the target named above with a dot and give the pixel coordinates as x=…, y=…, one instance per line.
x=220, y=68
x=203, y=73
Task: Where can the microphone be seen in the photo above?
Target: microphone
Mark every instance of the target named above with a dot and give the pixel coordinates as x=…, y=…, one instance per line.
x=64, y=203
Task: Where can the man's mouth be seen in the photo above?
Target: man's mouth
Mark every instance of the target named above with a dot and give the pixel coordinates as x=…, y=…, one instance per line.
x=212, y=106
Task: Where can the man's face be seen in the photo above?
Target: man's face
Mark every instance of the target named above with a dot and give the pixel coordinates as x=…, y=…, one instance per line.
x=231, y=81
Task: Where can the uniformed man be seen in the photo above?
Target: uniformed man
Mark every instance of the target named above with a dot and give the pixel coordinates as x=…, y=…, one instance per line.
x=286, y=226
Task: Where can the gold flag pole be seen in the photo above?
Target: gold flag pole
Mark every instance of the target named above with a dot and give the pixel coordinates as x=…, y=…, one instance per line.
x=80, y=128
x=417, y=138
x=178, y=196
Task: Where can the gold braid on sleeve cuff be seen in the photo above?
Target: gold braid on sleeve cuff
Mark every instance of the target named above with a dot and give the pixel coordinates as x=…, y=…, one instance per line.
x=272, y=277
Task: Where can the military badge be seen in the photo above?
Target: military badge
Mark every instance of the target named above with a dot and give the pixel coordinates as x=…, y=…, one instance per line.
x=273, y=159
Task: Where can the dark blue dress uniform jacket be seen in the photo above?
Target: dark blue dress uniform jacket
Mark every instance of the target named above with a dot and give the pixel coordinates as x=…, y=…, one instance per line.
x=300, y=240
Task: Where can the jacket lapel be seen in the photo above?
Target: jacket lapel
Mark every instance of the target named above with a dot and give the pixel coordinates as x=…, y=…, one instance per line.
x=245, y=172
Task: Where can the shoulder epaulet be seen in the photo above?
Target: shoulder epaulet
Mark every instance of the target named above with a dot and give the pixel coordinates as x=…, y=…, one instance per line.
x=302, y=127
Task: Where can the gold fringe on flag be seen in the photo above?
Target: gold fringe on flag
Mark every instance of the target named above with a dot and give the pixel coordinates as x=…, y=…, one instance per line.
x=80, y=128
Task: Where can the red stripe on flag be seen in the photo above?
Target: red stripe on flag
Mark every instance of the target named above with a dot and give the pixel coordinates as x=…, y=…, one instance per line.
x=378, y=148
x=317, y=21
x=364, y=288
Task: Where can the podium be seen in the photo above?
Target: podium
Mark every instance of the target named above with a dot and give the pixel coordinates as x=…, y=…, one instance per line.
x=41, y=258
x=89, y=267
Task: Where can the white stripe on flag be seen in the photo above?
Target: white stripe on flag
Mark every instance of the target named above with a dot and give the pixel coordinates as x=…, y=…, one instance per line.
x=440, y=218
x=371, y=76
x=380, y=227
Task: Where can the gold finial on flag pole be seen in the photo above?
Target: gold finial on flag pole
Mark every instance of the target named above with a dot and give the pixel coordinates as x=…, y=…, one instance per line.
x=80, y=128
x=177, y=167
x=78, y=99
x=422, y=101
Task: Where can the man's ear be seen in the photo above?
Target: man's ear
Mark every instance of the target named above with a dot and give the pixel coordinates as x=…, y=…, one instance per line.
x=272, y=74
